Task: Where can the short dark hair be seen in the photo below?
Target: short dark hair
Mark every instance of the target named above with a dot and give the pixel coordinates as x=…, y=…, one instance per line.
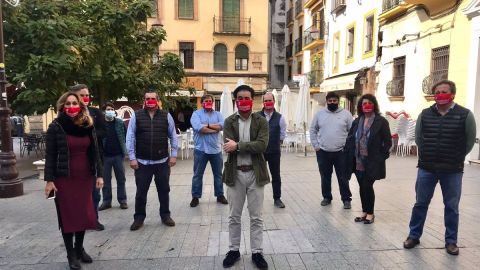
x=207, y=96
x=372, y=99
x=150, y=91
x=77, y=87
x=453, y=87
x=107, y=104
x=332, y=95
x=243, y=87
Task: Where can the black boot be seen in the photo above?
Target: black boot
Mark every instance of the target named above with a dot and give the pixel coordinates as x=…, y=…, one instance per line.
x=72, y=260
x=82, y=255
x=79, y=250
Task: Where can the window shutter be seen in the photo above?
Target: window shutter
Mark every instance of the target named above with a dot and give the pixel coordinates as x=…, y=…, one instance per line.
x=220, y=57
x=185, y=9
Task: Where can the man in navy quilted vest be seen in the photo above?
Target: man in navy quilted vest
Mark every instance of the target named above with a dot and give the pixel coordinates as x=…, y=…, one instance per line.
x=444, y=134
x=277, y=128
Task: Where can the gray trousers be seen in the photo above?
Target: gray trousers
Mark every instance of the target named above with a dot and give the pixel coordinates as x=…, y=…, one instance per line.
x=245, y=187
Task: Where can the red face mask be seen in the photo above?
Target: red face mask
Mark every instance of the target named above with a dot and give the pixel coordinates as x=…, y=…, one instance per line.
x=367, y=107
x=86, y=100
x=207, y=105
x=72, y=111
x=244, y=105
x=442, y=98
x=269, y=105
x=151, y=103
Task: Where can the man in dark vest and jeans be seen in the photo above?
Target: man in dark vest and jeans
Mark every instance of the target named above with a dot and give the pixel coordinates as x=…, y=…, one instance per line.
x=277, y=127
x=445, y=134
x=147, y=145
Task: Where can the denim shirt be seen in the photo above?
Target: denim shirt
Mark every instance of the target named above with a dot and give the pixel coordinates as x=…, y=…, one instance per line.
x=207, y=143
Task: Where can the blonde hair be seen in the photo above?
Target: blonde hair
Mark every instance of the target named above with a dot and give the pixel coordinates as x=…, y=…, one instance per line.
x=83, y=118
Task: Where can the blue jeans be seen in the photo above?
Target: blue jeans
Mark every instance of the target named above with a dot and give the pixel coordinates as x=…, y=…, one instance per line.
x=200, y=160
x=451, y=184
x=115, y=162
x=326, y=161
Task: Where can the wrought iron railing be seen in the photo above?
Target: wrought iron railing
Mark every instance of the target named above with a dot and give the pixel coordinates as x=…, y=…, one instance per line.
x=429, y=81
x=395, y=87
x=298, y=45
x=338, y=5
x=390, y=4
x=315, y=77
x=313, y=33
x=298, y=7
x=232, y=26
x=289, y=16
x=289, y=50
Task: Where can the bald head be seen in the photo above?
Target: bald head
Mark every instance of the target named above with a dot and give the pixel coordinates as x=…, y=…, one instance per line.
x=268, y=97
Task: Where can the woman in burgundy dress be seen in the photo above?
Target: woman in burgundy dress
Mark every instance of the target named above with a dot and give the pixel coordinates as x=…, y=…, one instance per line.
x=72, y=159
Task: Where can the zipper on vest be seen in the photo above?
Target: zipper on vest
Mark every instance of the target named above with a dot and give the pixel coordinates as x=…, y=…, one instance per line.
x=151, y=137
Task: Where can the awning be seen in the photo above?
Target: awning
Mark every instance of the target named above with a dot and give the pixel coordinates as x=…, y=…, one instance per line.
x=338, y=83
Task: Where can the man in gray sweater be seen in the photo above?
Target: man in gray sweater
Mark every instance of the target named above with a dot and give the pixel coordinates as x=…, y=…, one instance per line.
x=328, y=133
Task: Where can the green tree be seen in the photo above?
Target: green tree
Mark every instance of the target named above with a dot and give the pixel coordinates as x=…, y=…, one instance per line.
x=102, y=43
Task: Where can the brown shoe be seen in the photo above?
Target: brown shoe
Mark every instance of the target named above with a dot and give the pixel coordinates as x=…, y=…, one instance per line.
x=137, y=224
x=410, y=243
x=452, y=249
x=168, y=221
x=222, y=200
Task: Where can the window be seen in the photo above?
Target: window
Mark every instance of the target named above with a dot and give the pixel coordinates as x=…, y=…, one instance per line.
x=220, y=57
x=368, y=35
x=241, y=57
x=280, y=73
x=350, y=43
x=336, y=52
x=231, y=16
x=186, y=54
x=185, y=9
x=439, y=65
x=289, y=77
x=398, y=76
x=299, y=67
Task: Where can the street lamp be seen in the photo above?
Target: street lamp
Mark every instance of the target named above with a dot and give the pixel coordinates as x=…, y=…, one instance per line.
x=10, y=185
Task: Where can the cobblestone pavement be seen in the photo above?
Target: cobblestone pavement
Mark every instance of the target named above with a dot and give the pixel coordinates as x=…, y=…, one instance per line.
x=304, y=235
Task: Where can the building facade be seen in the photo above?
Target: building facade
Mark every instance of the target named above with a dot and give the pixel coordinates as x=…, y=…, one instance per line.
x=424, y=42
x=220, y=42
x=276, y=45
x=351, y=49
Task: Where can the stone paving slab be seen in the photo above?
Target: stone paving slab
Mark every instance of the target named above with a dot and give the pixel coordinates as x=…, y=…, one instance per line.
x=304, y=235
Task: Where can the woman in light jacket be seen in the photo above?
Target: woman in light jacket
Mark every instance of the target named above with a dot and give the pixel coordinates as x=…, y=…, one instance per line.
x=368, y=146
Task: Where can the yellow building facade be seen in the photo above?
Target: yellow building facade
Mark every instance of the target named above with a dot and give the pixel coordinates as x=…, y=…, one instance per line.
x=423, y=42
x=221, y=42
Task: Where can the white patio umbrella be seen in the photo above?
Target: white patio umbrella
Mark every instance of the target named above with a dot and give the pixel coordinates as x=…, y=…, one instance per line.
x=226, y=106
x=275, y=95
x=303, y=108
x=284, y=104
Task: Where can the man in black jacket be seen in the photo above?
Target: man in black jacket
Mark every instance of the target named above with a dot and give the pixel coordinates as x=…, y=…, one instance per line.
x=444, y=134
x=99, y=123
x=277, y=127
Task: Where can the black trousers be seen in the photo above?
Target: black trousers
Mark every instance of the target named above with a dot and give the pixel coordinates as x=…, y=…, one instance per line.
x=68, y=240
x=326, y=162
x=143, y=178
x=367, y=194
x=273, y=160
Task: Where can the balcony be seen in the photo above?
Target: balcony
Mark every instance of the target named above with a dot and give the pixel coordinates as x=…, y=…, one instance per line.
x=429, y=81
x=434, y=7
x=311, y=3
x=298, y=45
x=338, y=5
x=314, y=37
x=392, y=9
x=290, y=16
x=232, y=26
x=298, y=8
x=395, y=89
x=288, y=50
x=315, y=77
